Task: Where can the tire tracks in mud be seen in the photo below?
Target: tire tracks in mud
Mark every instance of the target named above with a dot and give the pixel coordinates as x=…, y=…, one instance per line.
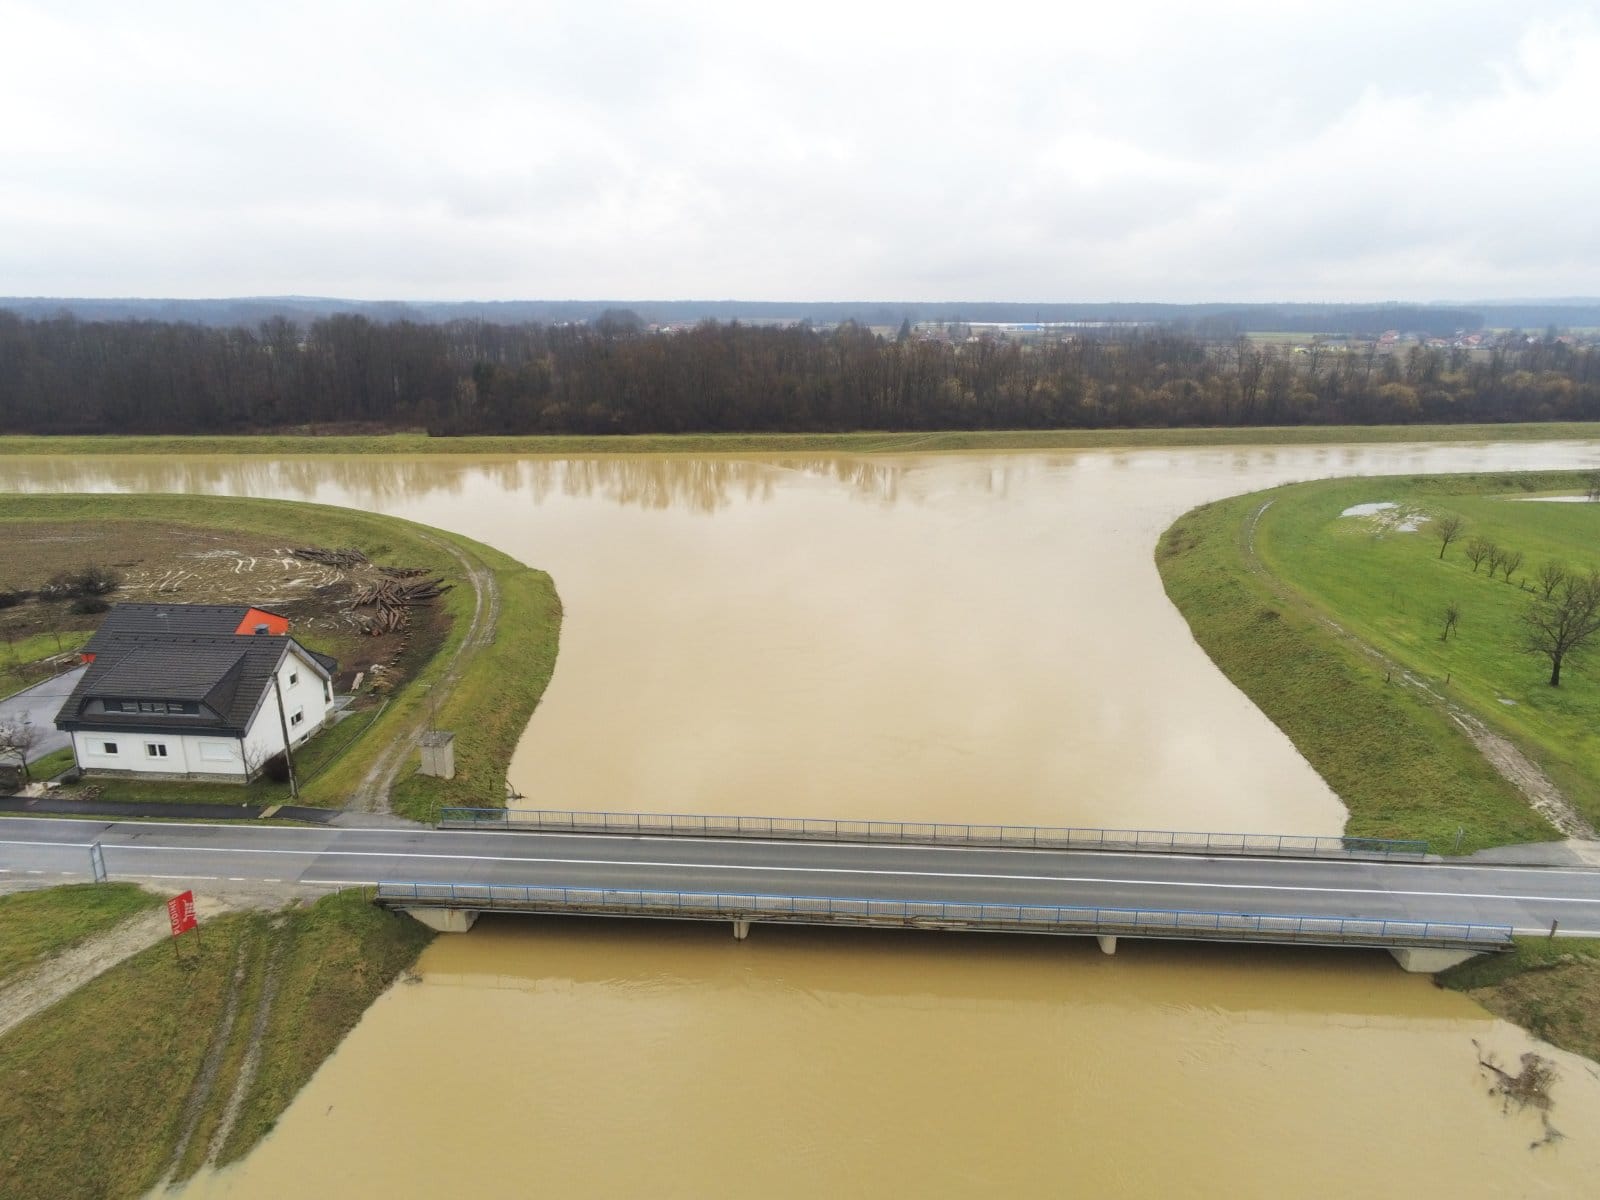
x=1515, y=767
x=372, y=793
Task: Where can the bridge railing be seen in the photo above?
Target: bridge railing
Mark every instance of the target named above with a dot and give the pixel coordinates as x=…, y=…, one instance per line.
x=929, y=833
x=1014, y=918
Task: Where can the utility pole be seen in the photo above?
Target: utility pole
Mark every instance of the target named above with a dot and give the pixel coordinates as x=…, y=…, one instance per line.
x=283, y=724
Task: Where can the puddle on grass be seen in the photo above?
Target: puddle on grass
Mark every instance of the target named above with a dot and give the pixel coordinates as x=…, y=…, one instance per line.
x=1387, y=515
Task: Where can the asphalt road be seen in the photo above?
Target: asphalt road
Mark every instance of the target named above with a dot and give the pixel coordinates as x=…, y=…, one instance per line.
x=38, y=705
x=216, y=856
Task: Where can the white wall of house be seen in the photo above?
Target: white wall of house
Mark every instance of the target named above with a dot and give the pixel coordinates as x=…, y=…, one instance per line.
x=157, y=753
x=307, y=700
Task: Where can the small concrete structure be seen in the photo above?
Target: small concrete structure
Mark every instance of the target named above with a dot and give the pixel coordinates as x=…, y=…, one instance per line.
x=439, y=754
x=1422, y=960
x=1108, y=942
x=741, y=928
x=445, y=920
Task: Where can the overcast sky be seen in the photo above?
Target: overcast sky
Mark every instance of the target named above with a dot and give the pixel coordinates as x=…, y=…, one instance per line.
x=1139, y=150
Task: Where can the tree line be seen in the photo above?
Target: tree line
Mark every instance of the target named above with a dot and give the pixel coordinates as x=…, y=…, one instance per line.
x=65, y=375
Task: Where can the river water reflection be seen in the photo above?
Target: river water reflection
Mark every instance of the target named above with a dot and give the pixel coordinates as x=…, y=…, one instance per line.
x=955, y=637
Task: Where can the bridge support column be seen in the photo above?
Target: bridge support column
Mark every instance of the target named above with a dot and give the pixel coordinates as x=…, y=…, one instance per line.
x=1422, y=961
x=444, y=920
x=1108, y=942
x=741, y=928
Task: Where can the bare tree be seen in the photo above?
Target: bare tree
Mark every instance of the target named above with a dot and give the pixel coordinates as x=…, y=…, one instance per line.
x=1495, y=557
x=1564, y=624
x=1447, y=529
x=1452, y=618
x=1550, y=577
x=1510, y=560
x=1478, y=549
x=1594, y=486
x=17, y=740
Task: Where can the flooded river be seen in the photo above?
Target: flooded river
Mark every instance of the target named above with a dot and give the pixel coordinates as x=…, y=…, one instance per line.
x=952, y=637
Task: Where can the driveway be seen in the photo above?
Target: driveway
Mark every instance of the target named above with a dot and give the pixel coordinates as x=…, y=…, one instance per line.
x=39, y=704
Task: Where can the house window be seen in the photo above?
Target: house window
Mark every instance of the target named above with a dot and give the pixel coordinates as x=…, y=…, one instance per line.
x=216, y=751
x=299, y=715
x=155, y=749
x=294, y=678
x=108, y=747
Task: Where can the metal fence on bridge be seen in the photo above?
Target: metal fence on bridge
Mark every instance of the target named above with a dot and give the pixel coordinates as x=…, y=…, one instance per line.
x=1289, y=845
x=944, y=914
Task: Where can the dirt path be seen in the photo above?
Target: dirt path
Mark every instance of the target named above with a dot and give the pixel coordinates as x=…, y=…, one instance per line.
x=372, y=794
x=58, y=977
x=1515, y=767
x=252, y=1057
x=200, y=1094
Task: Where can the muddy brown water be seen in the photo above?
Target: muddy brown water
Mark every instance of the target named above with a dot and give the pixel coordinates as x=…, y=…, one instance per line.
x=952, y=637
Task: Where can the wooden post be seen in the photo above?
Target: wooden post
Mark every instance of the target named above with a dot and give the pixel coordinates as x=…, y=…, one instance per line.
x=283, y=724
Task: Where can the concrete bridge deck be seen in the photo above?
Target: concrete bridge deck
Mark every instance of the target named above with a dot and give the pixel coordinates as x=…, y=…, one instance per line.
x=1283, y=898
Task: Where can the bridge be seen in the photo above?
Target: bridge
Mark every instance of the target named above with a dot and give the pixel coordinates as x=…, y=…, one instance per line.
x=1365, y=894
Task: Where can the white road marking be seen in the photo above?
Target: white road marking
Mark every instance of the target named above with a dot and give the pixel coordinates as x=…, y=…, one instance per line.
x=139, y=828
x=1064, y=879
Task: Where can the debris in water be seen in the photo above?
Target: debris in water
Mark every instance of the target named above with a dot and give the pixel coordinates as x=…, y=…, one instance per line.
x=1529, y=1087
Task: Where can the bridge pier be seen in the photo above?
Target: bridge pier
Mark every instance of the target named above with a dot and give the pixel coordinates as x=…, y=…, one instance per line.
x=1423, y=961
x=445, y=920
x=741, y=928
x=1108, y=942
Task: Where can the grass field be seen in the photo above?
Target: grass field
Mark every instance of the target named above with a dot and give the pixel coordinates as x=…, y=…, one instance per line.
x=865, y=442
x=1402, y=768
x=126, y=1081
x=36, y=925
x=1549, y=986
x=1392, y=588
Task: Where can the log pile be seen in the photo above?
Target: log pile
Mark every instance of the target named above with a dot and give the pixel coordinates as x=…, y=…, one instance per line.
x=348, y=556
x=403, y=572
x=393, y=598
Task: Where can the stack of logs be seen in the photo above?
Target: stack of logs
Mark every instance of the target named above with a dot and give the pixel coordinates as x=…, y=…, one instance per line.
x=403, y=588
x=393, y=597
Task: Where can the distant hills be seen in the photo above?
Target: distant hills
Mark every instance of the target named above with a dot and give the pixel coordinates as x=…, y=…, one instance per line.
x=1204, y=319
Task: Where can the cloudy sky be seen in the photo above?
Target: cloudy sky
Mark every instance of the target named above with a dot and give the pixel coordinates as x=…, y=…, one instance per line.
x=1141, y=150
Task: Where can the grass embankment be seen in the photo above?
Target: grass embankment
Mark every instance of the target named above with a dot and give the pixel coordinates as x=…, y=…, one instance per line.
x=863, y=442
x=1548, y=986
x=1392, y=589
x=487, y=708
x=1402, y=768
x=127, y=1080
x=36, y=925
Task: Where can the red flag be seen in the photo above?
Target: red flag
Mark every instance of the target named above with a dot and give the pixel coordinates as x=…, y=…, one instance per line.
x=180, y=911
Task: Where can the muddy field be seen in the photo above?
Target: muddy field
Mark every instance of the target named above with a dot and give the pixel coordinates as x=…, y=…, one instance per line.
x=192, y=565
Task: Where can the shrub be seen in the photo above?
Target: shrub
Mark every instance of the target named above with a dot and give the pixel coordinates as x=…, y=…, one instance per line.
x=89, y=604
x=89, y=580
x=276, y=769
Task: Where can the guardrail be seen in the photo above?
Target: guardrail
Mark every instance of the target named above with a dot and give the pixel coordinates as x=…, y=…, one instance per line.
x=944, y=914
x=818, y=829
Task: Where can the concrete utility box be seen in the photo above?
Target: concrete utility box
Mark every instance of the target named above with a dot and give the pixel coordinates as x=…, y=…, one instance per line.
x=439, y=754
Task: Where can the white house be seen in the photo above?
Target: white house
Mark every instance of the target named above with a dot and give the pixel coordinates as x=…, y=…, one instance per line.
x=185, y=692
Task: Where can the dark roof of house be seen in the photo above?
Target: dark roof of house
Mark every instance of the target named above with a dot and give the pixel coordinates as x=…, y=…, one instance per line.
x=223, y=678
x=201, y=619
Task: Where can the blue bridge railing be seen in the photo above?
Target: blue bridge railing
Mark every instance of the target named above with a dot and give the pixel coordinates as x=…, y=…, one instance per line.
x=821, y=829
x=1012, y=918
